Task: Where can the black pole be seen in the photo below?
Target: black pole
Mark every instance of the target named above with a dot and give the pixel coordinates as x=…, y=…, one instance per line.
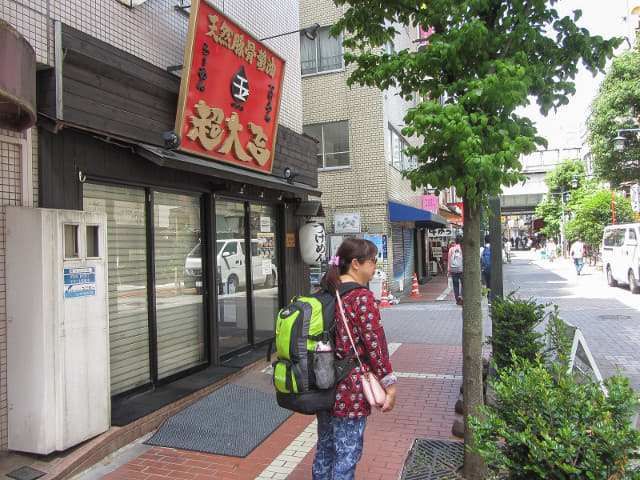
x=495, y=239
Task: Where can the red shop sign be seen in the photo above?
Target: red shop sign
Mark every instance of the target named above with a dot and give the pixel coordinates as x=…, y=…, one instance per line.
x=230, y=92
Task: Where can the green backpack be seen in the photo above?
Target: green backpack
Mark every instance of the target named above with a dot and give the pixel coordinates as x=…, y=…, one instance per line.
x=299, y=327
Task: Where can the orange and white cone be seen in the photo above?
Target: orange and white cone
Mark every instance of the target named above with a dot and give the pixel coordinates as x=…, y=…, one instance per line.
x=384, y=301
x=415, y=290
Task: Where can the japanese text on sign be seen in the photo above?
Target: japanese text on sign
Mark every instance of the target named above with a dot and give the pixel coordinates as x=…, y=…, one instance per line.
x=79, y=282
x=230, y=92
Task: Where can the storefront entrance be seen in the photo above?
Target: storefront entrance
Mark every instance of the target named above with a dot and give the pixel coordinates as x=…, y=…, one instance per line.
x=157, y=281
x=246, y=278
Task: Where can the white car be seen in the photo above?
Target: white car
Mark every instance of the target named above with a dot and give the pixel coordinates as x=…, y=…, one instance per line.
x=230, y=258
x=621, y=255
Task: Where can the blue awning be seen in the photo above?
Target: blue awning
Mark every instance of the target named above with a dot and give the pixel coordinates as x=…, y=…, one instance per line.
x=404, y=213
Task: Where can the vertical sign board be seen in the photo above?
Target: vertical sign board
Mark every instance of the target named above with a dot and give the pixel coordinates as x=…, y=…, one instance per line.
x=229, y=94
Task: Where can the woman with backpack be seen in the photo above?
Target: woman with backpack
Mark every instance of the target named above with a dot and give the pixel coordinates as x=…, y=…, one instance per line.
x=341, y=430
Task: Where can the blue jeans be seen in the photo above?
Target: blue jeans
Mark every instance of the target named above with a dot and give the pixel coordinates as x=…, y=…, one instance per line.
x=456, y=280
x=339, y=447
x=578, y=264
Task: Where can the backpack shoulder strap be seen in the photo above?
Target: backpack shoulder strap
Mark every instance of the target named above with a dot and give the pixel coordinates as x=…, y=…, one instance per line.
x=348, y=286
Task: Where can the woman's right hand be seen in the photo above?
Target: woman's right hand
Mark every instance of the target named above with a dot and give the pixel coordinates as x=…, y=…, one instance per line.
x=390, y=401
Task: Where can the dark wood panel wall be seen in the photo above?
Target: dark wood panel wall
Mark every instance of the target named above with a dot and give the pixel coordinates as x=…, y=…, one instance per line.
x=111, y=91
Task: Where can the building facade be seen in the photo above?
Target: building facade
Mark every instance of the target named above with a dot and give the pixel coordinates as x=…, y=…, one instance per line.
x=199, y=252
x=361, y=155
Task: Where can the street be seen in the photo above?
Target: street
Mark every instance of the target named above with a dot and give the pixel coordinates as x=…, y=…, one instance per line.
x=607, y=316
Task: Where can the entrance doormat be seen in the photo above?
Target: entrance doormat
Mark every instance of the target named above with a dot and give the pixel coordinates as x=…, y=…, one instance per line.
x=431, y=459
x=230, y=421
x=26, y=473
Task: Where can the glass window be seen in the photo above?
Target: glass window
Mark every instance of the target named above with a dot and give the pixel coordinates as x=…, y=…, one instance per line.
x=264, y=270
x=71, y=241
x=333, y=143
x=609, y=238
x=127, y=264
x=231, y=276
x=396, y=150
x=178, y=283
x=398, y=156
x=93, y=241
x=322, y=54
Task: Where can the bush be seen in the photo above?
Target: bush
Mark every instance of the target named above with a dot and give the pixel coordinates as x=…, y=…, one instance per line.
x=552, y=424
x=514, y=323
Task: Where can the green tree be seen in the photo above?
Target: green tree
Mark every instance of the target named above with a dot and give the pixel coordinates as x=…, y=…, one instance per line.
x=486, y=58
x=564, y=176
x=616, y=107
x=592, y=212
x=560, y=179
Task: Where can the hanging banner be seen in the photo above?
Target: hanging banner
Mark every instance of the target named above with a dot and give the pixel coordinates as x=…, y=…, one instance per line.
x=229, y=94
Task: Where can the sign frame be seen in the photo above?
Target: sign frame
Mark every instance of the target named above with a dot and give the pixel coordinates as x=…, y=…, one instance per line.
x=212, y=127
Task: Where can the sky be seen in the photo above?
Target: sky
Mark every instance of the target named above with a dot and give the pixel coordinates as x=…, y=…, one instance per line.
x=566, y=128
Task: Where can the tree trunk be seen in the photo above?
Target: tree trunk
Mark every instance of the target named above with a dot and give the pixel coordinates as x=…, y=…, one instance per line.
x=474, y=466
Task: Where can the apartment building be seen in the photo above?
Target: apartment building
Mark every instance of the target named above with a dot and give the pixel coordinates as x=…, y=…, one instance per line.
x=361, y=156
x=132, y=254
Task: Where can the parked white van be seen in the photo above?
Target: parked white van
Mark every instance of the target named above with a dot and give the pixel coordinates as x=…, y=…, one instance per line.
x=621, y=255
x=231, y=266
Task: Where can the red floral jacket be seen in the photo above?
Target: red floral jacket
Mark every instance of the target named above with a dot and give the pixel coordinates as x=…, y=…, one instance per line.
x=363, y=316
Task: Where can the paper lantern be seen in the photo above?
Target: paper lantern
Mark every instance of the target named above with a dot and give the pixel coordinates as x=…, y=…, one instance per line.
x=313, y=243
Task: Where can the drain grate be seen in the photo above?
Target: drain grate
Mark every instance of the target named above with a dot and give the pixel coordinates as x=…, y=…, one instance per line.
x=433, y=460
x=26, y=473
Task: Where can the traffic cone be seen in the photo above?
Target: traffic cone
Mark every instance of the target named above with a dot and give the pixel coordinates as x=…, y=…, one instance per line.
x=384, y=301
x=415, y=290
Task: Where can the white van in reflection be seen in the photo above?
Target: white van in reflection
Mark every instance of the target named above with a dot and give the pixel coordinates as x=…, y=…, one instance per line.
x=231, y=275
x=621, y=255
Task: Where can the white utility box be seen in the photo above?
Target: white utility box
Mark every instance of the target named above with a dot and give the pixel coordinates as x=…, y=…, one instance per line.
x=57, y=328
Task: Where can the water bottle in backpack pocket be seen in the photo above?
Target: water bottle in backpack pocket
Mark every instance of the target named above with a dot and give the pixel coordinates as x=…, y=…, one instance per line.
x=324, y=365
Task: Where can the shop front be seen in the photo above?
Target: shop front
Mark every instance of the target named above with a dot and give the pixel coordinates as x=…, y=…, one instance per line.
x=198, y=265
x=409, y=231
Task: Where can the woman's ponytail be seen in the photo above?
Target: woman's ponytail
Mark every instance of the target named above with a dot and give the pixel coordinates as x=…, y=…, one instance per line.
x=331, y=279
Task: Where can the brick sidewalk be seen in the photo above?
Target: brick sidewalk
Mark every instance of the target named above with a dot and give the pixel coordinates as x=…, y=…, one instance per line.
x=430, y=379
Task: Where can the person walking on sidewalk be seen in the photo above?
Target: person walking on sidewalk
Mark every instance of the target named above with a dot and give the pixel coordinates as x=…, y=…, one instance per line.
x=485, y=266
x=341, y=430
x=455, y=268
x=577, y=253
x=551, y=250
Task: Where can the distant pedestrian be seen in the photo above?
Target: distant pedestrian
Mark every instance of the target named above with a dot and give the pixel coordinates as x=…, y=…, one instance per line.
x=485, y=266
x=551, y=250
x=577, y=253
x=507, y=250
x=455, y=268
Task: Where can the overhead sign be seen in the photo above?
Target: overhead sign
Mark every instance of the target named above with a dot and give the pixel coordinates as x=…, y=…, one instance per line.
x=230, y=92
